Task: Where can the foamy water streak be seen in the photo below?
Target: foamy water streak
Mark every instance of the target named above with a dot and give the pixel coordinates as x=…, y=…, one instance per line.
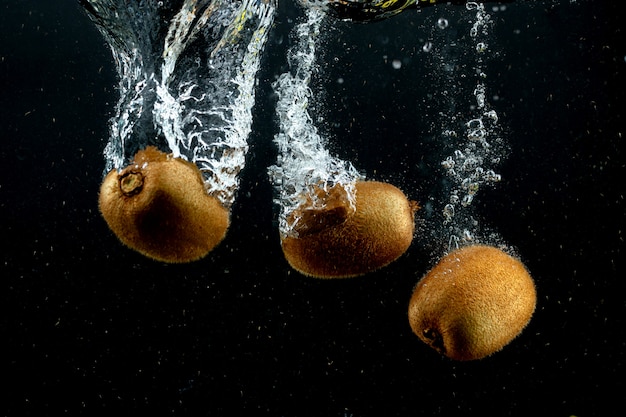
x=303, y=163
x=187, y=74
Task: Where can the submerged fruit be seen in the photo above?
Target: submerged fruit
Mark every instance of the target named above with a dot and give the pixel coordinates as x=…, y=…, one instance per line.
x=158, y=206
x=472, y=303
x=340, y=241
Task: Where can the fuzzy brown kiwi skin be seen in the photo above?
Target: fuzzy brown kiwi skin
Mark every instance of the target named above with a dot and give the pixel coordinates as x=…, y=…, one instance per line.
x=472, y=303
x=340, y=243
x=158, y=206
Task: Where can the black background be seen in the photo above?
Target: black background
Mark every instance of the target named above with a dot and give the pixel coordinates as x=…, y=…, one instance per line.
x=90, y=327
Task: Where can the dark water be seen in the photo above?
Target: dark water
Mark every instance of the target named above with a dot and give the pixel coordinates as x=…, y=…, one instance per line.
x=92, y=328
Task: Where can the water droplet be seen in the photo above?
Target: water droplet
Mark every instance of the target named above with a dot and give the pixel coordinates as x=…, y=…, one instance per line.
x=396, y=64
x=442, y=23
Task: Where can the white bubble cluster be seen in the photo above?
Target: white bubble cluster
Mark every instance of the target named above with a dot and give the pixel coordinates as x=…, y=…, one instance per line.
x=193, y=98
x=482, y=19
x=304, y=164
x=472, y=164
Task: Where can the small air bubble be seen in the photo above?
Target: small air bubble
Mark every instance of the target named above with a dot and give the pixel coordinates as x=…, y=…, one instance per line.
x=492, y=115
x=448, y=212
x=467, y=200
x=448, y=163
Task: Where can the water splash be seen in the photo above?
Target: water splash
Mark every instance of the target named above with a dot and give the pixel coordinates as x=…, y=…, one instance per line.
x=304, y=164
x=187, y=74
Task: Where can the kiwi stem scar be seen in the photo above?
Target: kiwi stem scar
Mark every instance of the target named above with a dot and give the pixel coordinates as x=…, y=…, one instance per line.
x=131, y=183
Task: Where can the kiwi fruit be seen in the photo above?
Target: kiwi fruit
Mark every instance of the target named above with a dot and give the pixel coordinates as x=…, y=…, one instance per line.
x=472, y=303
x=340, y=240
x=158, y=205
